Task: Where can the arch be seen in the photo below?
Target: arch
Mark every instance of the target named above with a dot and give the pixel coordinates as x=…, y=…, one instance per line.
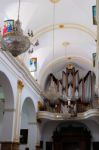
x=65, y=25
x=28, y=122
x=62, y=60
x=71, y=123
x=29, y=108
x=8, y=91
x=72, y=135
x=6, y=123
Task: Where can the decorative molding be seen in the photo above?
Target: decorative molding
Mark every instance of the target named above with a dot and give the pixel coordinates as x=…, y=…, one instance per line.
x=19, y=68
x=61, y=26
x=9, y=109
x=9, y=142
x=64, y=26
x=60, y=116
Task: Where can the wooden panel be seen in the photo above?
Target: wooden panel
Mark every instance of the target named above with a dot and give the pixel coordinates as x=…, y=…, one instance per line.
x=9, y=146
x=72, y=138
x=48, y=145
x=95, y=145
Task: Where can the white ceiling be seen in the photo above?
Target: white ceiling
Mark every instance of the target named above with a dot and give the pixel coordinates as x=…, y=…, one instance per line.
x=79, y=31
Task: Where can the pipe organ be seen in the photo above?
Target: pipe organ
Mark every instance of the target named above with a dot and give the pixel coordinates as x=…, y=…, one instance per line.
x=74, y=89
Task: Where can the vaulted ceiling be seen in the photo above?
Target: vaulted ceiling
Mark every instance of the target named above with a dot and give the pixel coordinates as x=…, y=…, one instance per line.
x=74, y=34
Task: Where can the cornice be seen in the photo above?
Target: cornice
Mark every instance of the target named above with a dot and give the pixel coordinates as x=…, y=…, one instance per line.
x=20, y=68
x=59, y=116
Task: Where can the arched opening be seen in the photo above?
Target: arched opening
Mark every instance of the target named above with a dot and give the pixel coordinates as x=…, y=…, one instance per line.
x=6, y=108
x=28, y=128
x=71, y=136
x=61, y=135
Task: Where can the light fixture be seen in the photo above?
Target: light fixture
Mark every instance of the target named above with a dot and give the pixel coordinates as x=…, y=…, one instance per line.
x=13, y=39
x=52, y=93
x=34, y=44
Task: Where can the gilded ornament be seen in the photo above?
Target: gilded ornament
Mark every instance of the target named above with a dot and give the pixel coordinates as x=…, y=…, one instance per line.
x=20, y=84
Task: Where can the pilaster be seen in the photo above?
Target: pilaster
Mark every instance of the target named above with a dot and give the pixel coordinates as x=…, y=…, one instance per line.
x=20, y=87
x=97, y=49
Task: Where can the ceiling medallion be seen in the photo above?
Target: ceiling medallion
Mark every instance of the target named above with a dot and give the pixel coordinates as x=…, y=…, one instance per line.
x=54, y=1
x=61, y=26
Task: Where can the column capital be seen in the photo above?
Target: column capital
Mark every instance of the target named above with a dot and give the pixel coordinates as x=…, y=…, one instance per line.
x=20, y=84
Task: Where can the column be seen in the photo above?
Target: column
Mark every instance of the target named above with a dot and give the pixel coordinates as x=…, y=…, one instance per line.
x=20, y=86
x=97, y=49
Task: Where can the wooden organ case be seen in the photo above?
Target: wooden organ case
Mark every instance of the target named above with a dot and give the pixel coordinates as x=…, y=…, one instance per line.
x=79, y=89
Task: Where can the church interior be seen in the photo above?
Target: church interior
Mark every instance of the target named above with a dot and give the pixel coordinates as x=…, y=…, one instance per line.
x=49, y=75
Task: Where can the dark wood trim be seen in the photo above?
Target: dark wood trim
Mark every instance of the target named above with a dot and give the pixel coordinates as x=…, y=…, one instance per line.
x=66, y=137
x=6, y=145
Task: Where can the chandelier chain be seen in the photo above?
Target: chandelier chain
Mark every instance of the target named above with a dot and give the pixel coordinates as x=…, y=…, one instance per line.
x=53, y=28
x=19, y=10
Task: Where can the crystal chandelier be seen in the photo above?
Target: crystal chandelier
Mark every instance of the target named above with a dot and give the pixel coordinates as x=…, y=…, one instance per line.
x=52, y=92
x=13, y=39
x=34, y=43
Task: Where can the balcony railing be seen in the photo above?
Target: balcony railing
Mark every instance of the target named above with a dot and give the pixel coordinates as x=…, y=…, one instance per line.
x=74, y=106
